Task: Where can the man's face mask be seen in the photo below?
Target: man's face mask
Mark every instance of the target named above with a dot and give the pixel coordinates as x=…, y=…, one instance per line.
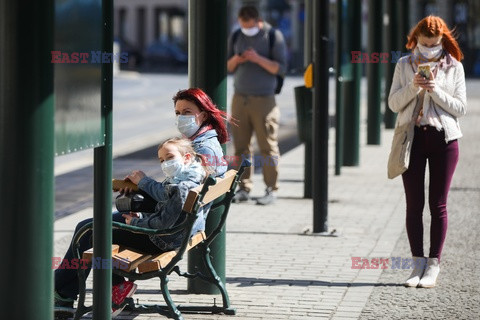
x=250, y=32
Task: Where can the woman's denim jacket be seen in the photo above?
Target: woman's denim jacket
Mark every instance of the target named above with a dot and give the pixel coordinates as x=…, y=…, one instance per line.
x=207, y=144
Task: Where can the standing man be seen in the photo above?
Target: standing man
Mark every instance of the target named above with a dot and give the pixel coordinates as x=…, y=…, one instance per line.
x=256, y=55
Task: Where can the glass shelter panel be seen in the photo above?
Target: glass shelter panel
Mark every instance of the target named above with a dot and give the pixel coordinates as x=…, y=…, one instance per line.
x=77, y=59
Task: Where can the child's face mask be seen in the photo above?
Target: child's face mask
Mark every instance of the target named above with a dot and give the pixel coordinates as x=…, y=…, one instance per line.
x=172, y=168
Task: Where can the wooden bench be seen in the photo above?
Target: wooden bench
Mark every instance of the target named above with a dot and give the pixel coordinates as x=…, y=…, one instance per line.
x=139, y=266
x=129, y=260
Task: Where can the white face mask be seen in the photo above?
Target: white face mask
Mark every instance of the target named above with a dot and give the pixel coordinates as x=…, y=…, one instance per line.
x=250, y=32
x=187, y=125
x=430, y=53
x=172, y=168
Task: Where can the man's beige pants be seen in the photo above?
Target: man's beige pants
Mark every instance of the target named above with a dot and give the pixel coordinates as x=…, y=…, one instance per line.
x=261, y=115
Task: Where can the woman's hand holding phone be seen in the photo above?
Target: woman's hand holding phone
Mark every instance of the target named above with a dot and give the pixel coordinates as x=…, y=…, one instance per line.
x=419, y=81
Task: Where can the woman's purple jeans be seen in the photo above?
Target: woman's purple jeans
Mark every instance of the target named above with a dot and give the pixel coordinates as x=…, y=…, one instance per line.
x=429, y=144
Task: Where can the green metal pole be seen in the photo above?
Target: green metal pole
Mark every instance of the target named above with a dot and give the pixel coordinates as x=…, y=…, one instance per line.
x=320, y=116
x=26, y=159
x=405, y=23
x=374, y=71
x=207, y=69
x=303, y=104
x=102, y=206
x=307, y=190
x=351, y=88
x=393, y=31
x=349, y=27
x=339, y=107
x=308, y=34
x=307, y=59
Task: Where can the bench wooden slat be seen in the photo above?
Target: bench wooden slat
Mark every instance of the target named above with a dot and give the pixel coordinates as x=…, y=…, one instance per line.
x=88, y=254
x=126, y=259
x=129, y=260
x=221, y=187
x=163, y=259
x=157, y=262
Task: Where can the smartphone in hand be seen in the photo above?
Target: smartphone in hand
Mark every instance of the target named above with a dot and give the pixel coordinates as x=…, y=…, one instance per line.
x=424, y=70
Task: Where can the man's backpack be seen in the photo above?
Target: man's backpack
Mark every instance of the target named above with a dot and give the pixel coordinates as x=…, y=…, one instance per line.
x=271, y=42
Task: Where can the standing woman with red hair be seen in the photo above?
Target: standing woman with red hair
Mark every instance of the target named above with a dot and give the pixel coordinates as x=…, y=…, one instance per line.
x=199, y=120
x=441, y=99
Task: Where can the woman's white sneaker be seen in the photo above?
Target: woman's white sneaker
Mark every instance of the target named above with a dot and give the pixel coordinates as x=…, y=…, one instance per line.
x=417, y=273
x=429, y=278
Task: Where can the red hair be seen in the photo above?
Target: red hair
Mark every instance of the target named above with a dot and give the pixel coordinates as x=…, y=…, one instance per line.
x=433, y=26
x=215, y=118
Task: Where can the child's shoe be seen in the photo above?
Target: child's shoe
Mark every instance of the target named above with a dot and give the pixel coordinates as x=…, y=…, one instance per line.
x=120, y=292
x=63, y=307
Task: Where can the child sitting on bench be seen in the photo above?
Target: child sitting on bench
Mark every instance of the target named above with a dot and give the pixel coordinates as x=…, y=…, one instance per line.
x=184, y=171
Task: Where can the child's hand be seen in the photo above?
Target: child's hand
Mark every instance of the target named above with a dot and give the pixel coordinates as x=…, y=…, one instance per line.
x=136, y=176
x=123, y=186
x=128, y=217
x=125, y=191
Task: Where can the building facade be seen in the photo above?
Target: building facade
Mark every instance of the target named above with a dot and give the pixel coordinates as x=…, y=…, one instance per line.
x=142, y=22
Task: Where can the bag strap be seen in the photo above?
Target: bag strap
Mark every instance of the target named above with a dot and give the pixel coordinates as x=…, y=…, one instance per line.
x=418, y=106
x=235, y=36
x=271, y=41
x=416, y=111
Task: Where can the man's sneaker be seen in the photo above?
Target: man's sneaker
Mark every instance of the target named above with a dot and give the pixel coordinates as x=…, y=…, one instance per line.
x=63, y=307
x=120, y=292
x=241, y=196
x=269, y=197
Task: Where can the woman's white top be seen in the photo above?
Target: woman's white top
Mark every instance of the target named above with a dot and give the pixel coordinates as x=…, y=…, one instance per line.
x=447, y=101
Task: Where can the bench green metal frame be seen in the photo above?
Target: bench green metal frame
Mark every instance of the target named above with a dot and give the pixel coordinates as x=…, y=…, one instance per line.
x=170, y=309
